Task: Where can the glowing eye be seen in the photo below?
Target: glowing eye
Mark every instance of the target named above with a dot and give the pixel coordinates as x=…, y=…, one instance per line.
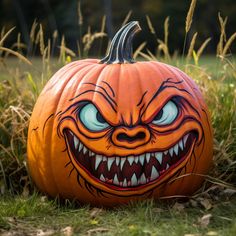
x=92, y=119
x=166, y=115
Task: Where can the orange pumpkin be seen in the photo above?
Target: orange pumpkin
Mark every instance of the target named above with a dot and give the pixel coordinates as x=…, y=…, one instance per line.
x=111, y=131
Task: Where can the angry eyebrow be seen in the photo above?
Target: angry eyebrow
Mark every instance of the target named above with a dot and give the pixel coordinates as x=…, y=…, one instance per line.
x=102, y=92
x=172, y=85
x=166, y=84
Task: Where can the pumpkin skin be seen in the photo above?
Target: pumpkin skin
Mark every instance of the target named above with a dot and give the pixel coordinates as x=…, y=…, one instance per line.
x=108, y=134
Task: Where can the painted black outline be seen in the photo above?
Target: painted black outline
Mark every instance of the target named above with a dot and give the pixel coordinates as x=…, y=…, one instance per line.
x=99, y=192
x=103, y=89
x=95, y=91
x=141, y=100
x=112, y=91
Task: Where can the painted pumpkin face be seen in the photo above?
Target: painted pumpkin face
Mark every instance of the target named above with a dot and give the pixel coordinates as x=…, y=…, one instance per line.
x=107, y=133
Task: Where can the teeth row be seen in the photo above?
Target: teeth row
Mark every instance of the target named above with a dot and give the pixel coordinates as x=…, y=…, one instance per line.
x=134, y=180
x=131, y=159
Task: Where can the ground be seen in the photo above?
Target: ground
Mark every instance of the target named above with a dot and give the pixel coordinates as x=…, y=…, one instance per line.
x=212, y=211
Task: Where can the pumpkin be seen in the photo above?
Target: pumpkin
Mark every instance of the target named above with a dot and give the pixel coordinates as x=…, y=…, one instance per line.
x=111, y=131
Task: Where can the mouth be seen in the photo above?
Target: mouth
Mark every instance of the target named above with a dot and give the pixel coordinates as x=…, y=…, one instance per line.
x=127, y=172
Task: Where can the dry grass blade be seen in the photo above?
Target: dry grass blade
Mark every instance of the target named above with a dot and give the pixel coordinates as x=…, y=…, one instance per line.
x=33, y=30
x=189, y=17
x=68, y=51
x=104, y=18
x=89, y=38
x=222, y=34
x=41, y=40
x=2, y=32
x=150, y=26
x=80, y=16
x=228, y=44
x=8, y=152
x=166, y=30
x=163, y=47
x=191, y=47
x=144, y=55
x=49, y=51
x=127, y=17
x=151, y=55
x=203, y=46
x=21, y=57
x=62, y=50
x=139, y=49
x=5, y=36
x=223, y=24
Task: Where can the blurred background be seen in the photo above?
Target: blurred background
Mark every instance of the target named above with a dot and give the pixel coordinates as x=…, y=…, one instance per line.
x=74, y=19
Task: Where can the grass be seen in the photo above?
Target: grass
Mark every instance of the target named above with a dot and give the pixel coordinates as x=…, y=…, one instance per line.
x=36, y=214
x=211, y=211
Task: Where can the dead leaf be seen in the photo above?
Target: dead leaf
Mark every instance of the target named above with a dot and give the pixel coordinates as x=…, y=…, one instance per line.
x=193, y=203
x=205, y=220
x=157, y=210
x=67, y=231
x=192, y=235
x=229, y=192
x=43, y=199
x=97, y=230
x=95, y=212
x=178, y=207
x=206, y=204
x=48, y=232
x=212, y=233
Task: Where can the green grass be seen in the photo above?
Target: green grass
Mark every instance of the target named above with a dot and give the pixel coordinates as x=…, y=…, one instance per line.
x=35, y=213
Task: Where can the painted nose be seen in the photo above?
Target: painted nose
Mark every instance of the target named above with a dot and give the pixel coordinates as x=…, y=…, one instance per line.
x=131, y=137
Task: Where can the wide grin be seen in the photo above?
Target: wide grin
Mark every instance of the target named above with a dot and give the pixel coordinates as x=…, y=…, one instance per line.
x=133, y=170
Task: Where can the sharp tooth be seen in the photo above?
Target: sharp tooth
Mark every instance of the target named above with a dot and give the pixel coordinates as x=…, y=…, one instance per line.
x=165, y=152
x=85, y=150
x=136, y=160
x=141, y=159
x=80, y=146
x=176, y=149
x=125, y=183
x=104, y=158
x=181, y=144
x=185, y=138
x=134, y=180
x=167, y=166
x=71, y=132
x=76, y=143
x=154, y=173
x=148, y=155
x=159, y=157
x=102, y=178
x=130, y=159
x=171, y=151
x=122, y=161
x=115, y=180
x=117, y=161
x=109, y=162
x=142, y=179
x=91, y=153
x=98, y=160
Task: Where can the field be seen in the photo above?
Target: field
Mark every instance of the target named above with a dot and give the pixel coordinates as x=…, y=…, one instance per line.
x=24, y=211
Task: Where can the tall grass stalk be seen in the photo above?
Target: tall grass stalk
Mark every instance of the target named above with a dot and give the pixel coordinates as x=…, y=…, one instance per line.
x=188, y=22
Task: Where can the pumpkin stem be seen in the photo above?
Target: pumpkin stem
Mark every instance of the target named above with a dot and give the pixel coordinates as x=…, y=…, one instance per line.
x=121, y=50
